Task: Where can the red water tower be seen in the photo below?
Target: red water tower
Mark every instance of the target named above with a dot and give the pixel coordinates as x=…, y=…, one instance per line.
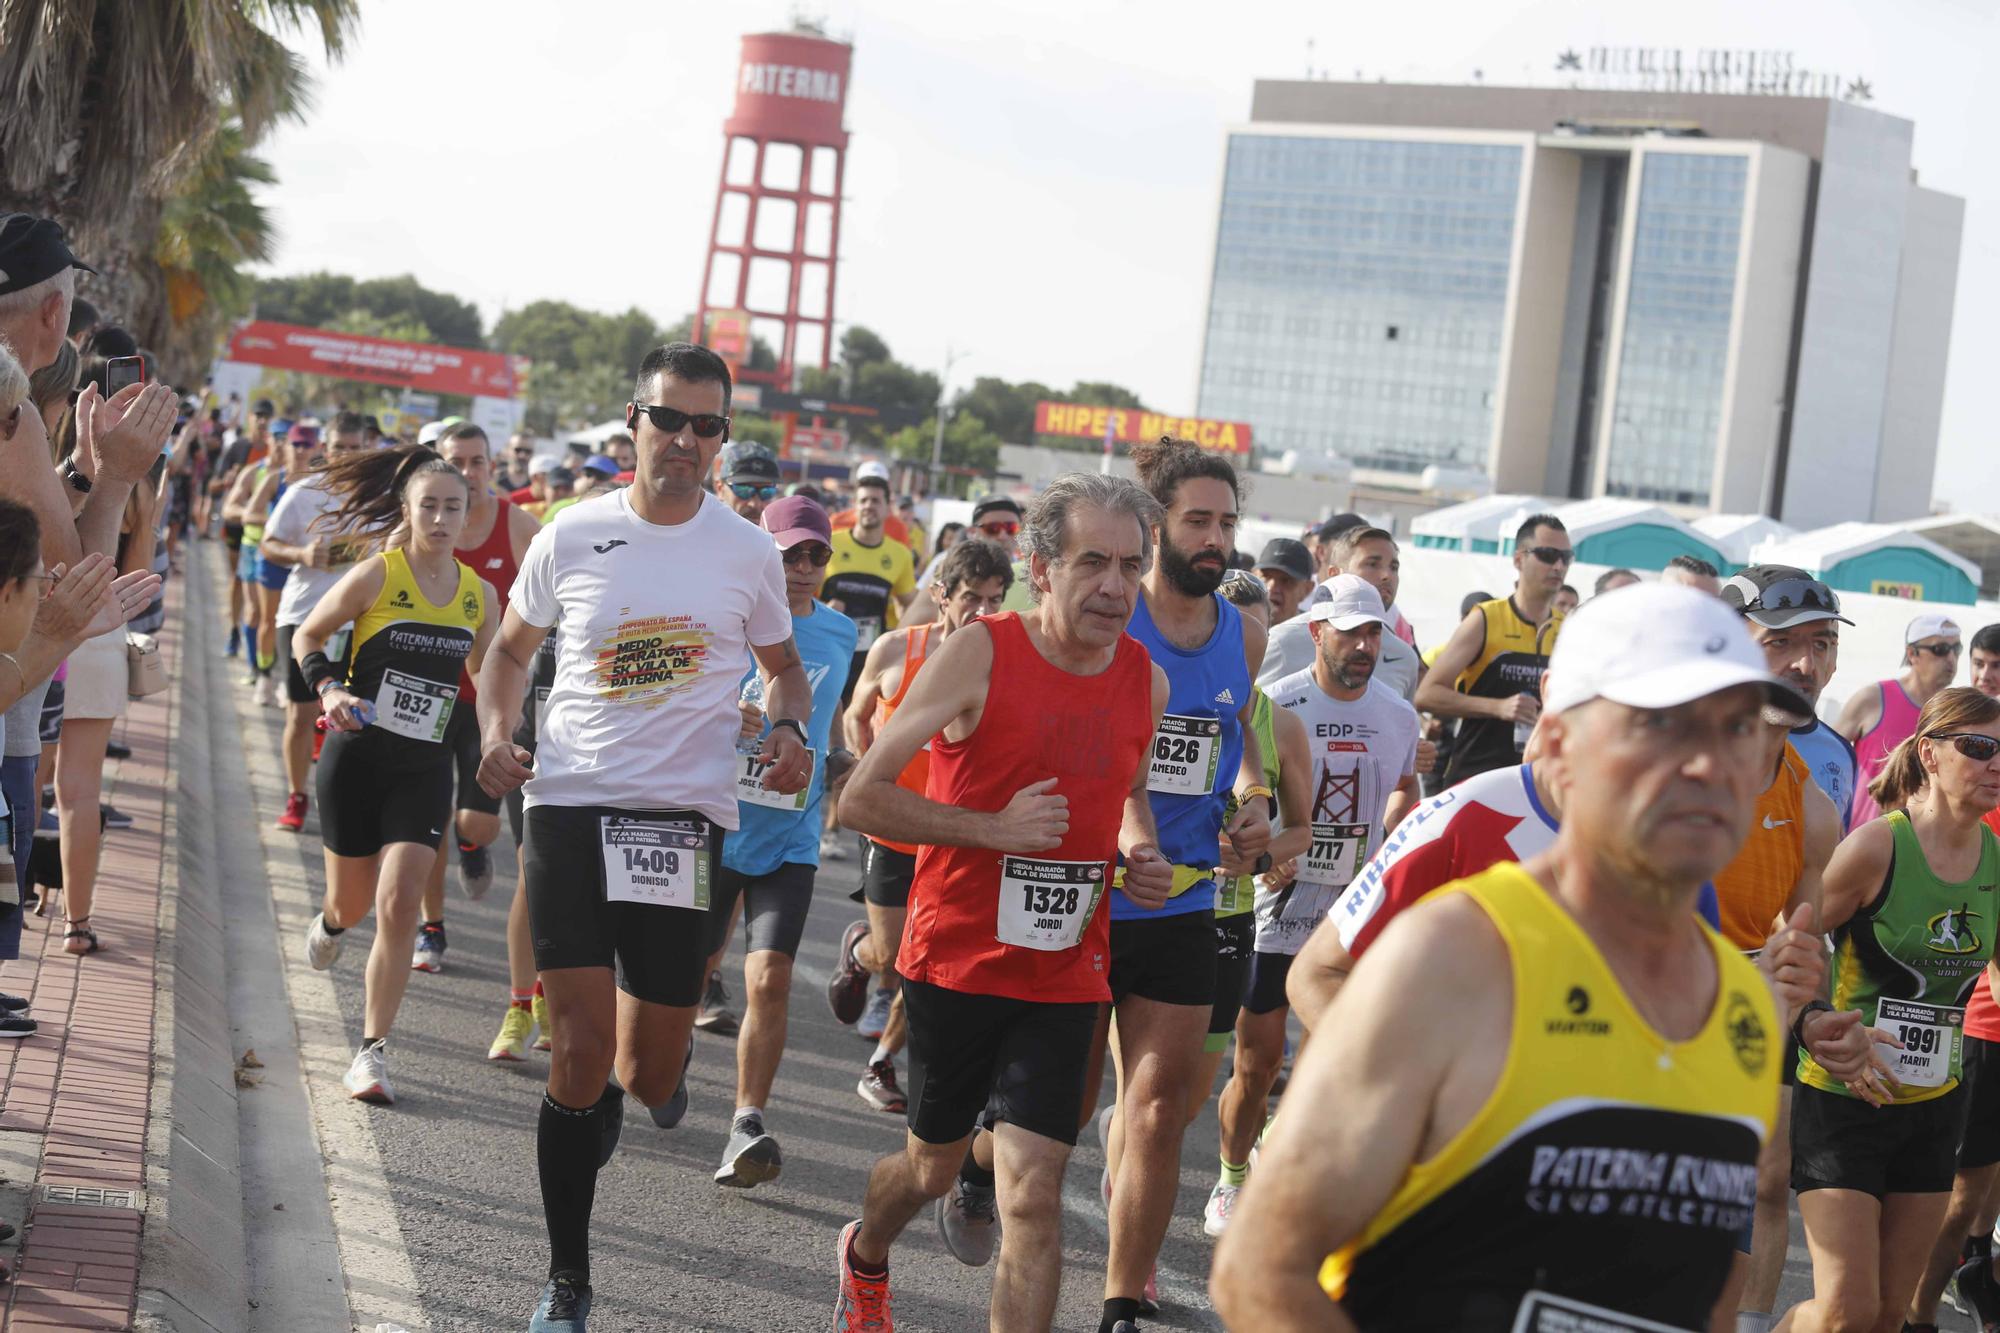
x=775, y=236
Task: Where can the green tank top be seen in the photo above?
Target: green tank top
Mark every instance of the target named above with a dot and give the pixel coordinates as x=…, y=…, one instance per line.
x=1235, y=896
x=1909, y=959
x=253, y=533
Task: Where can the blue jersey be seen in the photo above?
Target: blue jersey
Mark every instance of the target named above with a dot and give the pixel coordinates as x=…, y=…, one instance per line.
x=1198, y=748
x=1830, y=760
x=769, y=837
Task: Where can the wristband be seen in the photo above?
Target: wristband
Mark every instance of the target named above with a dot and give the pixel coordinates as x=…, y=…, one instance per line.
x=319, y=671
x=793, y=723
x=1799, y=1023
x=1253, y=791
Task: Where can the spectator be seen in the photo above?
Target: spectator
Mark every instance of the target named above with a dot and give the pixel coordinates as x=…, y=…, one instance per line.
x=1567, y=600
x=1287, y=570
x=620, y=450
x=1691, y=571
x=1611, y=580
x=516, y=469
x=83, y=321
x=536, y=490
x=947, y=538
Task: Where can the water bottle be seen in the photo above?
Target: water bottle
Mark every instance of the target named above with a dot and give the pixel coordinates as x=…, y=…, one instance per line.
x=1522, y=730
x=753, y=696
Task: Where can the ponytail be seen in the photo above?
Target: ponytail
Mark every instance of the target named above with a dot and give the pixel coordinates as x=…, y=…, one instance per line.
x=370, y=487
x=1903, y=775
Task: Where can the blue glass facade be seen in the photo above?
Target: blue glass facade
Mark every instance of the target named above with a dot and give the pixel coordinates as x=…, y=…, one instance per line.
x=1359, y=293
x=1675, y=352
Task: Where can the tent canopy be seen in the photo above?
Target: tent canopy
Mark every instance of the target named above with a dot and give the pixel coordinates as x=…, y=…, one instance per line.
x=1887, y=559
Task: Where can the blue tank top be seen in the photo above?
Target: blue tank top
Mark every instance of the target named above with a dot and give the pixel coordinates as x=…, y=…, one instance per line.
x=1830, y=760
x=1205, y=687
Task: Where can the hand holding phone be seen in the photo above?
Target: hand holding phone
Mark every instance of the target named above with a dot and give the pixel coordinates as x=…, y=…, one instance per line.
x=122, y=371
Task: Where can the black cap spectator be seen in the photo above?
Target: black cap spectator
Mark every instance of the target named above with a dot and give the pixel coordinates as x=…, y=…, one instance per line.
x=37, y=287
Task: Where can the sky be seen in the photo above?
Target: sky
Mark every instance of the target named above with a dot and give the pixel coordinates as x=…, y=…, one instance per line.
x=1030, y=186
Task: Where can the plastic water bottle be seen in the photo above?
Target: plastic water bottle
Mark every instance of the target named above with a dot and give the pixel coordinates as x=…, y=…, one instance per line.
x=753, y=696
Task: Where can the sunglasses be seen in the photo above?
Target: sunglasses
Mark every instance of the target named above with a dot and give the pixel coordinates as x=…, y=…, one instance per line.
x=1794, y=595
x=1939, y=649
x=814, y=552
x=1000, y=528
x=673, y=421
x=747, y=490
x=1973, y=745
x=1552, y=555
x=48, y=582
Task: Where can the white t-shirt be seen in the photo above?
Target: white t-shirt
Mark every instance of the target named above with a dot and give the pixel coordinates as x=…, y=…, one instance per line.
x=291, y=521
x=1288, y=649
x=1360, y=751
x=654, y=626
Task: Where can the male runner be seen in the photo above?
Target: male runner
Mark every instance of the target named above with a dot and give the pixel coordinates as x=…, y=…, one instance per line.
x=1691, y=571
x=748, y=479
x=971, y=583
x=1568, y=599
x=1588, y=1096
x=1286, y=568
x=1796, y=620
x=256, y=489
x=1163, y=957
x=246, y=450
x=1876, y=720
x=1369, y=553
x=1985, y=662
x=997, y=519
x=1039, y=725
x=657, y=593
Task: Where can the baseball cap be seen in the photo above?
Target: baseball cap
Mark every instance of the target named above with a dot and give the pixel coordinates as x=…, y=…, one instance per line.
x=872, y=470
x=1658, y=645
x=749, y=461
x=430, y=432
x=1931, y=625
x=1287, y=556
x=1336, y=525
x=303, y=432
x=541, y=464
x=263, y=407
x=1350, y=602
x=602, y=466
x=32, y=249
x=1780, y=596
x=796, y=519
x=993, y=503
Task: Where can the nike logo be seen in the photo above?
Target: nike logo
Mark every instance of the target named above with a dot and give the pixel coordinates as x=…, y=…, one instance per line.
x=437, y=833
x=1769, y=824
x=614, y=542
x=1223, y=696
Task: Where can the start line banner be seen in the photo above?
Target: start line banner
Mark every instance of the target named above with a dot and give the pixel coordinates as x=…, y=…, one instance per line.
x=1131, y=426
x=424, y=367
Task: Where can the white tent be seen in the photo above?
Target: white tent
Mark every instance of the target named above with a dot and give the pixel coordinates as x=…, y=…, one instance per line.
x=1475, y=525
x=1885, y=558
x=1736, y=534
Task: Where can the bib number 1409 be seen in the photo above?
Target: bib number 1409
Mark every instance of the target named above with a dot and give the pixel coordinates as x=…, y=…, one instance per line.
x=662, y=863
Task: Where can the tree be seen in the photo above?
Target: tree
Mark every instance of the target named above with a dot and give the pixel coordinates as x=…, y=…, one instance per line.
x=210, y=227
x=968, y=443
x=860, y=346
x=321, y=300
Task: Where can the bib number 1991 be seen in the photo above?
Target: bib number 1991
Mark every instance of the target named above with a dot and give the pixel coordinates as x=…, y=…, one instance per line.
x=1930, y=1036
x=662, y=863
x=1186, y=751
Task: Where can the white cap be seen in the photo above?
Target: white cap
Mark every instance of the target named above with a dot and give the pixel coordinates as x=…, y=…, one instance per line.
x=1350, y=602
x=431, y=430
x=1657, y=645
x=1930, y=625
x=872, y=470
x=540, y=464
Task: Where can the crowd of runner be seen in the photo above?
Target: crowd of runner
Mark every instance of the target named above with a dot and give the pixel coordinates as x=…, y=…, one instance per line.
x=1653, y=951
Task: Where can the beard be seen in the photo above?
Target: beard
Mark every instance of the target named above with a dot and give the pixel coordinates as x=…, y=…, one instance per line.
x=1185, y=576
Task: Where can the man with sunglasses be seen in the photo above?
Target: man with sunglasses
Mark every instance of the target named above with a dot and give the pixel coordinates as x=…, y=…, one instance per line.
x=1878, y=719
x=749, y=479
x=997, y=519
x=656, y=594
x=1489, y=671
x=1796, y=620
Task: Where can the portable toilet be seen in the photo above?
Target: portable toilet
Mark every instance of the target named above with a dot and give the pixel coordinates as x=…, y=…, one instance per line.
x=1976, y=537
x=1475, y=526
x=1886, y=559
x=1736, y=535
x=1629, y=534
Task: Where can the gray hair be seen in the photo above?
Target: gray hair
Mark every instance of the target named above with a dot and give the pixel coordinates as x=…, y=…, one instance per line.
x=1046, y=532
x=18, y=303
x=13, y=380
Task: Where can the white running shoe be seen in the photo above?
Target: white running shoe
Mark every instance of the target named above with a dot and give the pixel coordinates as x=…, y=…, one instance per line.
x=267, y=690
x=830, y=848
x=321, y=948
x=1221, y=1202
x=368, y=1077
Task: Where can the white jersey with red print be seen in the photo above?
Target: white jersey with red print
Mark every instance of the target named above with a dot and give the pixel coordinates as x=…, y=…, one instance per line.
x=1494, y=816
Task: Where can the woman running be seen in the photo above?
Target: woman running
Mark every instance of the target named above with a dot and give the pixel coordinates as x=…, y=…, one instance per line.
x=1910, y=899
x=385, y=774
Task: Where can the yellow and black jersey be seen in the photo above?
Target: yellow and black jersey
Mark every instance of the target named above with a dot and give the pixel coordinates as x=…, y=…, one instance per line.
x=868, y=583
x=408, y=651
x=1605, y=1180
x=1511, y=661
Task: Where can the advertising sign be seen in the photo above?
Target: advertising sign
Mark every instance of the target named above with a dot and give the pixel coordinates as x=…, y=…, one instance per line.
x=423, y=367
x=791, y=87
x=1133, y=426
x=1893, y=588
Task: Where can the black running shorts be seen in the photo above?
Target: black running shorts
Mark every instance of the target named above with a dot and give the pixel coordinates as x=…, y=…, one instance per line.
x=1027, y=1058
x=232, y=534
x=886, y=874
x=375, y=789
x=1234, y=937
x=1170, y=959
x=461, y=734
x=1981, y=1146
x=774, y=908
x=660, y=953
x=1843, y=1143
x=296, y=689
x=1268, y=972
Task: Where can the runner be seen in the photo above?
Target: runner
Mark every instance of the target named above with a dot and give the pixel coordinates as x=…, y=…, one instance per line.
x=748, y=479
x=971, y=583
x=1485, y=675
x=1796, y=620
x=1567, y=600
x=385, y=774
x=656, y=594
x=1910, y=904
x=1036, y=783
x=256, y=489
x=1691, y=571
x=247, y=449
x=1876, y=720
x=872, y=578
x=1163, y=957
x=492, y=544
x=1369, y=553
x=527, y=1003
x=1289, y=576
x=296, y=537
x=1985, y=661
x=1576, y=1145
x=997, y=519
x=768, y=865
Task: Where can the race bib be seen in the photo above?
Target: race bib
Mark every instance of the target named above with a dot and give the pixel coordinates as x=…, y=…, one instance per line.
x=414, y=707
x=337, y=644
x=867, y=629
x=1337, y=851
x=1930, y=1036
x=662, y=863
x=1286, y=917
x=750, y=784
x=1046, y=904
x=541, y=708
x=1541, y=1312
x=1185, y=753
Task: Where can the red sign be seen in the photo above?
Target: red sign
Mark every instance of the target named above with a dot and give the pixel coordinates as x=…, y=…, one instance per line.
x=1133, y=426
x=424, y=367
x=819, y=437
x=791, y=87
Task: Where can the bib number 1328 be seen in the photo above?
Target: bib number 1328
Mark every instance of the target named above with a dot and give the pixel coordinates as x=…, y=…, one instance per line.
x=1045, y=905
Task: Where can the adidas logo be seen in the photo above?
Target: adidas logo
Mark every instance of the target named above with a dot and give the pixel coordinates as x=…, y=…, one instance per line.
x=1223, y=696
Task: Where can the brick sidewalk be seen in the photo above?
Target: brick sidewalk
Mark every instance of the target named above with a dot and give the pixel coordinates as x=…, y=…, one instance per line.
x=81, y=1085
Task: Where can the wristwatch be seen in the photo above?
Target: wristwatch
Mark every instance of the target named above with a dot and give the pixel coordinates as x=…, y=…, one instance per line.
x=793, y=723
x=77, y=481
x=1263, y=865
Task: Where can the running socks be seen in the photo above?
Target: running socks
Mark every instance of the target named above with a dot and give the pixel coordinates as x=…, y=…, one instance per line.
x=754, y=1112
x=970, y=1173
x=873, y=1272
x=882, y=1052
x=1234, y=1175
x=522, y=999
x=1116, y=1309
x=568, y=1143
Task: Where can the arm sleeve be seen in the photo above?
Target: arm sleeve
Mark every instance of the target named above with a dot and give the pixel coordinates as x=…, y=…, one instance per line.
x=770, y=612
x=534, y=591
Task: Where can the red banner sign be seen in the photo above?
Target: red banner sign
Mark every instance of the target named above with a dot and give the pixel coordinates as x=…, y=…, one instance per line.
x=424, y=367
x=1133, y=426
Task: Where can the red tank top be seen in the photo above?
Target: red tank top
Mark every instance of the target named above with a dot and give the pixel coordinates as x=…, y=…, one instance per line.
x=917, y=773
x=967, y=903
x=1897, y=723
x=1982, y=1016
x=492, y=560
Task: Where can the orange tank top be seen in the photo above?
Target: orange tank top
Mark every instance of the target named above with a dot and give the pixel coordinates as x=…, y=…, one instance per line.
x=916, y=774
x=1754, y=887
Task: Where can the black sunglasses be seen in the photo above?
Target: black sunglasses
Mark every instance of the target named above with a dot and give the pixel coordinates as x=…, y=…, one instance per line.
x=817, y=553
x=1794, y=595
x=1552, y=555
x=1977, y=747
x=707, y=425
x=746, y=490
x=1939, y=649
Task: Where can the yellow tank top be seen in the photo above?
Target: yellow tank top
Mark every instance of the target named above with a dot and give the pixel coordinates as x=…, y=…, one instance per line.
x=408, y=650
x=1609, y=1171
x=1753, y=888
x=1511, y=660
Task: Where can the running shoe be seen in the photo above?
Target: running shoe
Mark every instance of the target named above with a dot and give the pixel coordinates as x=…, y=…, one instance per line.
x=235, y=639
x=321, y=948
x=16, y=1026
x=294, y=817
x=515, y=1029
x=368, y=1077
x=879, y=1089
x=863, y=1304
x=715, y=1014
x=117, y=750
x=267, y=691
x=752, y=1156
x=1974, y=1283
x=110, y=816
x=830, y=848
x=543, y=1040
x=1221, y=1202
x=847, y=988
x=475, y=871
x=1125, y=1326
x=428, y=956
x=969, y=1221
x=672, y=1111
x=1149, y=1296
x=874, y=1019
x=564, y=1307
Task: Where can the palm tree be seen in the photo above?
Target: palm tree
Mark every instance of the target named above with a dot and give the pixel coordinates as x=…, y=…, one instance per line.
x=110, y=107
x=209, y=227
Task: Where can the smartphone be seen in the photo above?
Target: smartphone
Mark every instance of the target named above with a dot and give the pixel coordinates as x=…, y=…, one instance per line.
x=121, y=371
